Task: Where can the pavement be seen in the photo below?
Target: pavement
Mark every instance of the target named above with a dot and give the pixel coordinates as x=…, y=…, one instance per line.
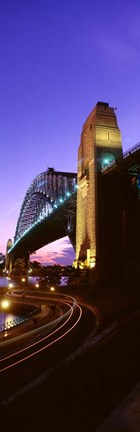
x=126, y=417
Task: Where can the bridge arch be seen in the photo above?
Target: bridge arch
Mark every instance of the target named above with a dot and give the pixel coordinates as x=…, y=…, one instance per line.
x=48, y=190
x=48, y=212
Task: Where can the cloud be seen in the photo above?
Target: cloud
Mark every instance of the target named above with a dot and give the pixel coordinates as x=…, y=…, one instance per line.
x=60, y=252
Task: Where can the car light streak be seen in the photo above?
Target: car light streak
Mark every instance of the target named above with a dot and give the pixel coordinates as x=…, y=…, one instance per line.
x=53, y=296
x=49, y=326
x=46, y=329
x=49, y=344
x=41, y=339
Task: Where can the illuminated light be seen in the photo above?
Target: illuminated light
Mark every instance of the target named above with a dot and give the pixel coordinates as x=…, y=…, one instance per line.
x=23, y=279
x=107, y=159
x=76, y=186
x=10, y=285
x=61, y=200
x=5, y=304
x=52, y=289
x=75, y=264
x=92, y=264
x=30, y=270
x=68, y=194
x=37, y=285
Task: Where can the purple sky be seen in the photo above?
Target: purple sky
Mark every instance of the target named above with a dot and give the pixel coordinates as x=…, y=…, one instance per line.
x=57, y=60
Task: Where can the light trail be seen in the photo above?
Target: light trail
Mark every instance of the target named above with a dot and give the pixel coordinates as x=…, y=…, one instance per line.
x=46, y=337
x=48, y=325
x=40, y=340
x=46, y=329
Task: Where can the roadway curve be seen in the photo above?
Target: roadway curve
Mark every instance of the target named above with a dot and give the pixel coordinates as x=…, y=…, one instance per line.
x=42, y=349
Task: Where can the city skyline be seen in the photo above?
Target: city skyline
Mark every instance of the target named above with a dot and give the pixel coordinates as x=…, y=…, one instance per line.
x=57, y=62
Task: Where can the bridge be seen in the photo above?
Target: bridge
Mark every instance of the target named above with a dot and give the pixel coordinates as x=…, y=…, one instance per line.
x=47, y=214
x=98, y=208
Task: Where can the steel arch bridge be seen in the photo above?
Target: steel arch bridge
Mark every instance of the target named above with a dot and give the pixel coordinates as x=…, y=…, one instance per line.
x=47, y=213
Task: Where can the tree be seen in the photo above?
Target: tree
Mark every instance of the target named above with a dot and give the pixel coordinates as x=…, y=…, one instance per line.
x=71, y=275
x=51, y=275
x=35, y=265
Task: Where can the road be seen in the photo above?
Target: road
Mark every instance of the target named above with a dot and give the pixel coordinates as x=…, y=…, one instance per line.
x=24, y=359
x=74, y=395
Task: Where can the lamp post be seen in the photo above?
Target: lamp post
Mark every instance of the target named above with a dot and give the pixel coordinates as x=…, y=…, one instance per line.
x=5, y=304
x=23, y=279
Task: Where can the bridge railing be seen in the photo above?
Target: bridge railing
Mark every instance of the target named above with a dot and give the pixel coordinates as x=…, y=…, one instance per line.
x=131, y=150
x=126, y=154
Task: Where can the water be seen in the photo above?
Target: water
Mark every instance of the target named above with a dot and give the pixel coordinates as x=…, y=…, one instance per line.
x=8, y=320
x=16, y=282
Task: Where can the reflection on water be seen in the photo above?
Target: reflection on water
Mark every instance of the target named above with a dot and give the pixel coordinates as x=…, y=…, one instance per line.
x=16, y=282
x=8, y=320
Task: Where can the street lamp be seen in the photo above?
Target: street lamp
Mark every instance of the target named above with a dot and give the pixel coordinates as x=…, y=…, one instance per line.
x=52, y=288
x=5, y=304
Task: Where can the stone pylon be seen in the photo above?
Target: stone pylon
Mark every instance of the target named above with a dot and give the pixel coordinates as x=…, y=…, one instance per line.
x=100, y=146
x=8, y=258
x=16, y=265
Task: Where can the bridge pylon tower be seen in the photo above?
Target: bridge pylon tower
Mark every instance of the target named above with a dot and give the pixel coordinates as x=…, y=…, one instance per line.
x=8, y=258
x=100, y=145
x=16, y=265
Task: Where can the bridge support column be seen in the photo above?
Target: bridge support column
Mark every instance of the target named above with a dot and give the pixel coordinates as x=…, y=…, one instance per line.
x=100, y=145
x=21, y=265
x=8, y=258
